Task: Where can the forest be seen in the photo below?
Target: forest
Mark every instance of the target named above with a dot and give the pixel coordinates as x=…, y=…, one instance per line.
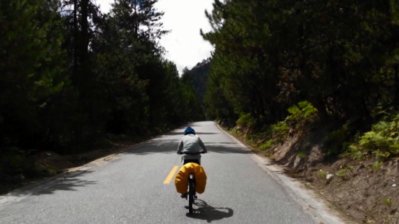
x=73, y=79
x=71, y=74
x=314, y=86
x=280, y=66
x=316, y=79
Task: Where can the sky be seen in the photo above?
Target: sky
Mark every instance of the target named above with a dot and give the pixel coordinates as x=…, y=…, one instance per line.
x=183, y=18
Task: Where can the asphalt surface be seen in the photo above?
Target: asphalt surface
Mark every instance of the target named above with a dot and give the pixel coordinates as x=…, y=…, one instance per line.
x=130, y=188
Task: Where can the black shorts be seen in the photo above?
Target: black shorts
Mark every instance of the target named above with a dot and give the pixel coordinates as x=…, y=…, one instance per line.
x=192, y=161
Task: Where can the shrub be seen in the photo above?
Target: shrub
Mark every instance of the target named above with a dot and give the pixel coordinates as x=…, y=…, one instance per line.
x=377, y=165
x=280, y=131
x=245, y=121
x=301, y=113
x=267, y=145
x=382, y=140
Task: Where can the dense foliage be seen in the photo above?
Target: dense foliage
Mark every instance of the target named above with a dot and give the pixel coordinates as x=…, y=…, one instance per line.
x=69, y=74
x=382, y=141
x=340, y=56
x=197, y=79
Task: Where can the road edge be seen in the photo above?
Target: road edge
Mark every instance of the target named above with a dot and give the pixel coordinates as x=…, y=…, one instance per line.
x=317, y=207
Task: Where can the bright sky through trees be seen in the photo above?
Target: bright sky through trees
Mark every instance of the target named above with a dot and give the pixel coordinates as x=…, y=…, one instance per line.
x=184, y=19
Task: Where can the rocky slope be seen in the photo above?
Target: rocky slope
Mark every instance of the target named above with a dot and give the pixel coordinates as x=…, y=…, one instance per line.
x=365, y=190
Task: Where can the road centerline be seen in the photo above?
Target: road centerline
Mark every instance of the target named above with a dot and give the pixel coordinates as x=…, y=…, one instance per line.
x=170, y=176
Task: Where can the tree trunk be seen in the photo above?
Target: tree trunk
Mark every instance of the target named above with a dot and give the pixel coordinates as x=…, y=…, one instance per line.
x=84, y=43
x=75, y=41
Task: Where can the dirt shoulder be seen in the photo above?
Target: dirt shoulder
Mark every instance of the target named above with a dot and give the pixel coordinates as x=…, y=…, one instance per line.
x=365, y=191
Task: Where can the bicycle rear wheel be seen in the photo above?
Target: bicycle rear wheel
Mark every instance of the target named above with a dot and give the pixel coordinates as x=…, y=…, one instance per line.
x=191, y=193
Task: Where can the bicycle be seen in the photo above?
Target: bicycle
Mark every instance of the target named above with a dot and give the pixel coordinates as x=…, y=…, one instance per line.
x=191, y=192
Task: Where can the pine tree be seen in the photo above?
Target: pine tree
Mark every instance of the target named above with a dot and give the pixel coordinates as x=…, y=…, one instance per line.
x=31, y=68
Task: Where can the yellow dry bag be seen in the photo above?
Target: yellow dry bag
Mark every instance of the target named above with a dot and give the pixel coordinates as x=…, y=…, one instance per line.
x=181, y=180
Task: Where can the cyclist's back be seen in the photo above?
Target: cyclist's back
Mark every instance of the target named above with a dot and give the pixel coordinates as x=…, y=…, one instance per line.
x=191, y=146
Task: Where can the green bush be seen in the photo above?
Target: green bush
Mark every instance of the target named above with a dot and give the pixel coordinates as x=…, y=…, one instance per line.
x=280, y=131
x=382, y=140
x=377, y=165
x=266, y=145
x=301, y=113
x=277, y=133
x=245, y=121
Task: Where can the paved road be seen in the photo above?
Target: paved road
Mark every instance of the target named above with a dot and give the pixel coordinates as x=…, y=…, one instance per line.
x=130, y=189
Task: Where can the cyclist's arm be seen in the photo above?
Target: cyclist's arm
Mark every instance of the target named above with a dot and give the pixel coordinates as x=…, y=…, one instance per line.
x=180, y=148
x=202, y=145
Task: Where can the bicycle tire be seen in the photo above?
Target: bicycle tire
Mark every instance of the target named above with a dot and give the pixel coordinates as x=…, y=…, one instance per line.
x=191, y=193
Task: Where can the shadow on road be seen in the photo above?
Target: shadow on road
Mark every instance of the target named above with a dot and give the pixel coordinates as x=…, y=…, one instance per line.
x=227, y=149
x=161, y=146
x=180, y=133
x=66, y=182
x=168, y=143
x=209, y=213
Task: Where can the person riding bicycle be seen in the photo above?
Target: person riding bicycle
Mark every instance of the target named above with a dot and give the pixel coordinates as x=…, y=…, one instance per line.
x=191, y=146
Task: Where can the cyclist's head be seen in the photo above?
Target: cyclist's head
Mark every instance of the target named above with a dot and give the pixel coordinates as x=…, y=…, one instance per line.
x=189, y=130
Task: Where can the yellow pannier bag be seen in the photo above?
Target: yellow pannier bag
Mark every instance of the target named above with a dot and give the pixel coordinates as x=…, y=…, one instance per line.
x=181, y=180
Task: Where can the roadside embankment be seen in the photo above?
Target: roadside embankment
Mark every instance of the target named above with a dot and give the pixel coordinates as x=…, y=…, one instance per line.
x=364, y=189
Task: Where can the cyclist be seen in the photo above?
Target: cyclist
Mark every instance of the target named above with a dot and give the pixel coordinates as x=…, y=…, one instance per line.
x=191, y=146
